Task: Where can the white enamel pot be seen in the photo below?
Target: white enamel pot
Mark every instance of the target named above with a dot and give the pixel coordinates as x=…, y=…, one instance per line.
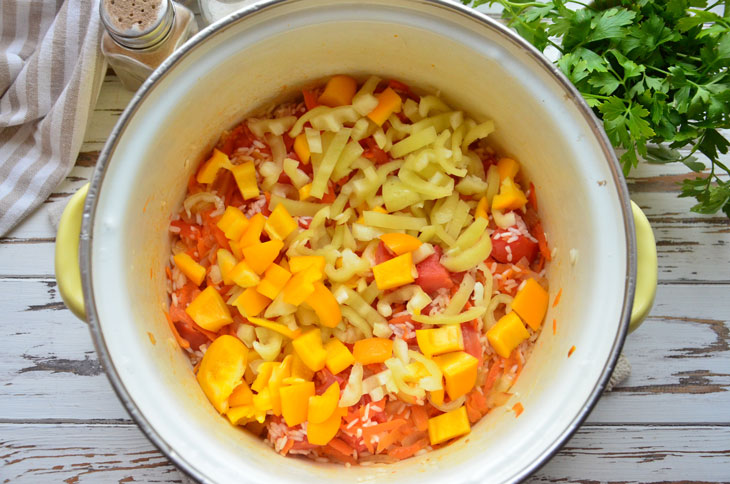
x=267, y=51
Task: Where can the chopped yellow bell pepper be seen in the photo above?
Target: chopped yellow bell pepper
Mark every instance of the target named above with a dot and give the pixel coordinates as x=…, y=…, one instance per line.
x=275, y=278
x=448, y=425
x=531, y=303
x=481, y=209
x=221, y=370
x=301, y=148
x=278, y=374
x=295, y=402
x=400, y=243
x=389, y=102
x=372, y=350
x=299, y=369
x=242, y=395
x=460, y=372
x=263, y=376
x=507, y=334
x=236, y=250
x=321, y=407
x=301, y=285
x=233, y=223
x=262, y=401
x=209, y=311
x=278, y=327
x=252, y=235
x=250, y=303
x=242, y=414
x=395, y=272
x=226, y=262
x=298, y=263
x=338, y=356
x=339, y=91
x=192, y=270
x=322, y=433
x=437, y=396
x=305, y=191
x=510, y=197
x=310, y=350
x=260, y=256
x=440, y=340
x=280, y=224
x=245, y=175
x=209, y=169
x=325, y=305
x=242, y=275
x=507, y=168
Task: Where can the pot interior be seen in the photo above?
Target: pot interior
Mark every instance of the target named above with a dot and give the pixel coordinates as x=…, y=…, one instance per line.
x=258, y=58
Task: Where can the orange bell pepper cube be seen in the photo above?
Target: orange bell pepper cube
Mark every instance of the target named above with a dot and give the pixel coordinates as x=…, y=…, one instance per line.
x=275, y=278
x=280, y=224
x=510, y=197
x=242, y=395
x=395, y=272
x=295, y=402
x=192, y=270
x=507, y=334
x=339, y=91
x=372, y=350
x=301, y=286
x=209, y=311
x=339, y=356
x=252, y=234
x=301, y=148
x=298, y=263
x=389, y=102
x=321, y=407
x=481, y=208
x=507, y=168
x=399, y=243
x=325, y=305
x=233, y=223
x=209, y=169
x=322, y=433
x=221, y=370
x=250, y=303
x=260, y=256
x=448, y=426
x=310, y=350
x=531, y=303
x=242, y=275
x=245, y=175
x=460, y=372
x=226, y=261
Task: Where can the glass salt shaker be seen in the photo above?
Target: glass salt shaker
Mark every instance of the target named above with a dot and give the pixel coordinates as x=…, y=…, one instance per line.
x=214, y=10
x=140, y=34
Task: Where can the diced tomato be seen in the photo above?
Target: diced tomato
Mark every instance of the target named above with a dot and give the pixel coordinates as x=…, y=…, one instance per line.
x=324, y=378
x=310, y=99
x=539, y=234
x=288, y=142
x=382, y=253
x=432, y=276
x=471, y=341
x=330, y=196
x=373, y=151
x=522, y=247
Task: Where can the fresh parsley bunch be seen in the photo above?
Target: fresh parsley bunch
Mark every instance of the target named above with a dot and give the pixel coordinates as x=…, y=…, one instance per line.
x=656, y=72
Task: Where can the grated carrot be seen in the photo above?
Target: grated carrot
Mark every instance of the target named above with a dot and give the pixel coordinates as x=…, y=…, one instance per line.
x=152, y=338
x=557, y=297
x=406, y=452
x=180, y=340
x=287, y=447
x=518, y=409
x=532, y=196
x=555, y=326
x=310, y=99
x=492, y=376
x=341, y=446
x=570, y=352
x=419, y=416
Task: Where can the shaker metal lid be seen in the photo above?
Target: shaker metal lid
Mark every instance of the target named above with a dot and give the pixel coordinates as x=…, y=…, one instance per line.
x=138, y=24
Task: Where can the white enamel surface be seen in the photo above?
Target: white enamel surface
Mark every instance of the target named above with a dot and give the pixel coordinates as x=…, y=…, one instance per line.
x=264, y=57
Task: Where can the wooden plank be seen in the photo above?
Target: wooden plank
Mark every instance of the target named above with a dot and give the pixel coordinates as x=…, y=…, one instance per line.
x=680, y=360
x=106, y=453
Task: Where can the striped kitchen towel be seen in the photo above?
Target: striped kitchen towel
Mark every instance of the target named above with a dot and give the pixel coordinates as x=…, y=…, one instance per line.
x=51, y=70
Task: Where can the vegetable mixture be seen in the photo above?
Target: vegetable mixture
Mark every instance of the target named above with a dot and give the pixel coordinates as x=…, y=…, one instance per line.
x=356, y=275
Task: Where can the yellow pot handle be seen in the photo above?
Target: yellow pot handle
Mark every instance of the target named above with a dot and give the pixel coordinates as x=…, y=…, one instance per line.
x=646, y=268
x=68, y=272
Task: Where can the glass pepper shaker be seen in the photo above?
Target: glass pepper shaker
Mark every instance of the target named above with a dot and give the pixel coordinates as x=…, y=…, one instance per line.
x=140, y=34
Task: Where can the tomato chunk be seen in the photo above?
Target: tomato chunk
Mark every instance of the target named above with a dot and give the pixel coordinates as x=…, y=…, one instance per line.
x=519, y=248
x=432, y=276
x=382, y=254
x=471, y=340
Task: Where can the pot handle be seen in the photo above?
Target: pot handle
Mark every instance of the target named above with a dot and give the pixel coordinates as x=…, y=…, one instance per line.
x=68, y=272
x=646, y=268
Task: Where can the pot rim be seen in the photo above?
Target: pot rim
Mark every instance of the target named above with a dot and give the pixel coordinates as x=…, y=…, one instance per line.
x=470, y=14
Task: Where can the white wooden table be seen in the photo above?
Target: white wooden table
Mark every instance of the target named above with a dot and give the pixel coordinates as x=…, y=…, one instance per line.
x=60, y=420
